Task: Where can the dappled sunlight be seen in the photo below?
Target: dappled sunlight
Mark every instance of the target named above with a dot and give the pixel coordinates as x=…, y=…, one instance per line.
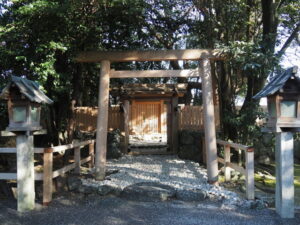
x=169, y=170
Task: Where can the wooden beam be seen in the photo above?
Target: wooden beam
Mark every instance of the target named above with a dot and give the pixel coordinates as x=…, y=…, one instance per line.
x=152, y=55
x=13, y=176
x=8, y=176
x=153, y=73
x=209, y=122
x=234, y=145
x=102, y=119
x=237, y=168
x=8, y=150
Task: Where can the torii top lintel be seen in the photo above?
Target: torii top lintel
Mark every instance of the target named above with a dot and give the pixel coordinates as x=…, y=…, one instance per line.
x=151, y=55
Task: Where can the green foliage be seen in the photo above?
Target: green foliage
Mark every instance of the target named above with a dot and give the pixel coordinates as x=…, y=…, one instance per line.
x=40, y=38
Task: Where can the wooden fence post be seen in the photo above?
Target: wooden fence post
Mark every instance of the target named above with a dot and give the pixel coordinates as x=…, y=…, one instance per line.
x=47, y=176
x=227, y=160
x=77, y=160
x=92, y=154
x=250, y=189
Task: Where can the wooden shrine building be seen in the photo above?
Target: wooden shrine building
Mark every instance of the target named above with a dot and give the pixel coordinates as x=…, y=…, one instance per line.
x=151, y=108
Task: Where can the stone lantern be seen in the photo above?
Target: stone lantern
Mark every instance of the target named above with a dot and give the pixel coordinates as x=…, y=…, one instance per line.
x=283, y=95
x=24, y=99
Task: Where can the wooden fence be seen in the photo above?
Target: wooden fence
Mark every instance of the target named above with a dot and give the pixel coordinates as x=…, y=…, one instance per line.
x=48, y=174
x=86, y=118
x=189, y=118
x=248, y=171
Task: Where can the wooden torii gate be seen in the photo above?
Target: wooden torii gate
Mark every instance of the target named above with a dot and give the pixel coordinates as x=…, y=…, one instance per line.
x=204, y=56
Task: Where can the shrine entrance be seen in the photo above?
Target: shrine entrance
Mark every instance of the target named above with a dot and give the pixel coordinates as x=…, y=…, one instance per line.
x=205, y=58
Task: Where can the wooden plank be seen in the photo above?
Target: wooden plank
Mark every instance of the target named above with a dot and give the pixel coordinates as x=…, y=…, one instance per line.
x=237, y=168
x=69, y=167
x=8, y=150
x=126, y=125
x=250, y=189
x=227, y=160
x=70, y=146
x=85, y=160
x=233, y=145
x=63, y=170
x=13, y=176
x=47, y=178
x=152, y=55
x=174, y=124
x=209, y=122
x=6, y=133
x=102, y=120
x=14, y=150
x=221, y=160
x=8, y=176
x=154, y=73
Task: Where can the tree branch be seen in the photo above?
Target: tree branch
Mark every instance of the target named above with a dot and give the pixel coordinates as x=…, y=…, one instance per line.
x=289, y=40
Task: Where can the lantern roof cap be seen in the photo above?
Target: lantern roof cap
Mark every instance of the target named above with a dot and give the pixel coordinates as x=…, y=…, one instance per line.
x=276, y=83
x=28, y=88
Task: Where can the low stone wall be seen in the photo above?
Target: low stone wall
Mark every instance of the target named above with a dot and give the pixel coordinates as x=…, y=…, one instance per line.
x=190, y=145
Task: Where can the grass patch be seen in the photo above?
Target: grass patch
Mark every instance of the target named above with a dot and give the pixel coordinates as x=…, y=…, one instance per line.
x=270, y=181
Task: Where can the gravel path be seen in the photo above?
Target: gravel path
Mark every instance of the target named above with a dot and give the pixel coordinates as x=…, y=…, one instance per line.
x=168, y=170
x=95, y=210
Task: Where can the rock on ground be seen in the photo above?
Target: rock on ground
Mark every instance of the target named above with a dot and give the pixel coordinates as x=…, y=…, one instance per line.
x=148, y=191
x=168, y=170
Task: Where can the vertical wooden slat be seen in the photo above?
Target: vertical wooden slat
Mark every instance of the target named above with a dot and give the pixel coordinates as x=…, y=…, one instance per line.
x=174, y=124
x=47, y=176
x=126, y=124
x=227, y=160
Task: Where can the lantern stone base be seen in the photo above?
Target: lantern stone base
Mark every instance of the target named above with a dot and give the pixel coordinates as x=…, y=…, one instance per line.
x=284, y=175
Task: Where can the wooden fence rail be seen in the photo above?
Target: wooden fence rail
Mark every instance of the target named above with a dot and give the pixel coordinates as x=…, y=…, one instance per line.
x=48, y=174
x=248, y=171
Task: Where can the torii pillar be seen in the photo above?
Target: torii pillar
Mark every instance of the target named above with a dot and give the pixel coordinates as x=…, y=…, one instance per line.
x=102, y=120
x=209, y=121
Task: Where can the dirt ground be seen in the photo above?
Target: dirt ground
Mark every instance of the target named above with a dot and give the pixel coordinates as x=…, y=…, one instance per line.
x=76, y=209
